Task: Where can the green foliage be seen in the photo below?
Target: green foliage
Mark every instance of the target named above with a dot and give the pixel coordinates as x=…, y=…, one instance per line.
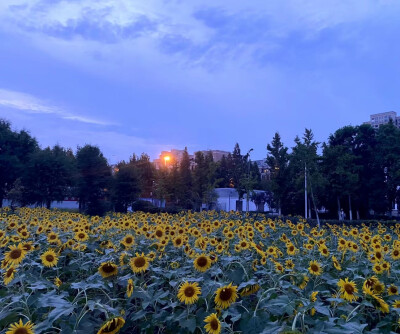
x=15, y=151
x=278, y=161
x=125, y=185
x=48, y=176
x=93, y=178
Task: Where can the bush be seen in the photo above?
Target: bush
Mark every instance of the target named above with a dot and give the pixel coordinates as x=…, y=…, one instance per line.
x=141, y=205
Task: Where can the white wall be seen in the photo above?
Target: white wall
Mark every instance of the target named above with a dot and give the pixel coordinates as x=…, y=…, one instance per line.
x=227, y=198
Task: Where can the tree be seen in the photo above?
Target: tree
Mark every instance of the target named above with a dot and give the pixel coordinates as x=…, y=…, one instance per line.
x=48, y=176
x=261, y=198
x=238, y=164
x=126, y=185
x=93, y=178
x=15, y=152
x=204, y=179
x=341, y=167
x=146, y=174
x=186, y=182
x=305, y=161
x=223, y=173
x=277, y=161
x=370, y=191
x=388, y=160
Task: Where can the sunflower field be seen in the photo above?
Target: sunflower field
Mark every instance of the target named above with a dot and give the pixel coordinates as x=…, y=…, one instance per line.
x=206, y=272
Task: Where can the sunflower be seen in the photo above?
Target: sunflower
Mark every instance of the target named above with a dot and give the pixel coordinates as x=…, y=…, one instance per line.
x=21, y=328
x=189, y=293
x=8, y=276
x=57, y=282
x=395, y=254
x=315, y=268
x=289, y=264
x=386, y=266
x=108, y=269
x=304, y=282
x=178, y=242
x=129, y=288
x=139, y=264
x=202, y=263
x=112, y=326
x=313, y=297
x=249, y=290
x=244, y=244
x=213, y=325
x=81, y=236
x=225, y=296
x=378, y=288
x=279, y=268
x=28, y=246
x=369, y=285
x=49, y=258
x=128, y=241
x=15, y=255
x=396, y=303
x=323, y=250
x=347, y=289
x=52, y=238
x=336, y=263
x=382, y=305
x=377, y=268
x=393, y=290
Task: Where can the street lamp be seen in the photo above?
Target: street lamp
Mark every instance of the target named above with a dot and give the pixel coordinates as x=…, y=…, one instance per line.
x=248, y=180
x=166, y=159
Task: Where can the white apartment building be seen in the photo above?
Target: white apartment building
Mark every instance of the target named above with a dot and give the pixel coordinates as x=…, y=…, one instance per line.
x=376, y=120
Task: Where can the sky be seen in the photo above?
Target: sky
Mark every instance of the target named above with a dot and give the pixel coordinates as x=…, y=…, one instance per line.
x=146, y=76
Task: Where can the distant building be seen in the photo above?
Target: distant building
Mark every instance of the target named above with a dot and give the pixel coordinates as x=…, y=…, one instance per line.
x=376, y=120
x=228, y=200
x=170, y=158
x=264, y=170
x=217, y=154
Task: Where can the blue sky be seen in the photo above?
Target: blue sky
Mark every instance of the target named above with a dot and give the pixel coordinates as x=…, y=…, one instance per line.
x=145, y=76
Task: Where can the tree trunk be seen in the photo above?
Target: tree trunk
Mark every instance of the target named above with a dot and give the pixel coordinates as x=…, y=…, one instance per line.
x=338, y=205
x=315, y=206
x=48, y=204
x=358, y=214
x=309, y=209
x=350, y=211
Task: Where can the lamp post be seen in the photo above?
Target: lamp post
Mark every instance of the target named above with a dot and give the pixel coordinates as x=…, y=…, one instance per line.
x=166, y=158
x=248, y=180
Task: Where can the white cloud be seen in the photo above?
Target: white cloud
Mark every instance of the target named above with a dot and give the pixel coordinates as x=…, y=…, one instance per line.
x=31, y=104
x=92, y=32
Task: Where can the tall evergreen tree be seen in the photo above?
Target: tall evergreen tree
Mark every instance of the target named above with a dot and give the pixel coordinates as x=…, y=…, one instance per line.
x=15, y=151
x=277, y=161
x=388, y=160
x=93, y=179
x=186, y=181
x=305, y=161
x=48, y=176
x=341, y=169
x=223, y=173
x=126, y=185
x=146, y=174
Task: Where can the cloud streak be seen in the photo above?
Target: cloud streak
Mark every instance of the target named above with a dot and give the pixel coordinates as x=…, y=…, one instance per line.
x=31, y=104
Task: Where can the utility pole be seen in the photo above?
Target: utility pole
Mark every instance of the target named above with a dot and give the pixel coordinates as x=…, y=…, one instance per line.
x=305, y=191
x=248, y=180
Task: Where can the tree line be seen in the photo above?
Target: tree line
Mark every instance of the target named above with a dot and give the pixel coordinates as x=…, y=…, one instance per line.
x=357, y=170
